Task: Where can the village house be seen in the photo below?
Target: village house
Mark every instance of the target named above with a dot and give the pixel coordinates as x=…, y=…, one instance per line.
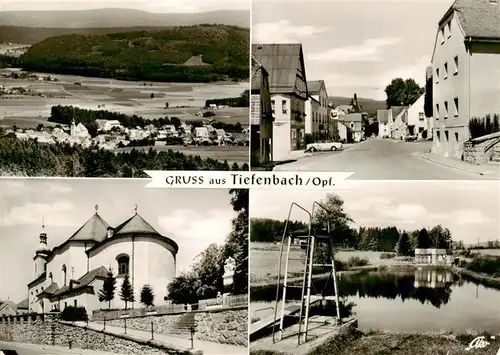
x=418, y=124
x=432, y=256
x=351, y=127
x=72, y=273
x=317, y=123
x=261, y=117
x=8, y=308
x=466, y=72
x=312, y=124
x=399, y=122
x=384, y=118
x=288, y=88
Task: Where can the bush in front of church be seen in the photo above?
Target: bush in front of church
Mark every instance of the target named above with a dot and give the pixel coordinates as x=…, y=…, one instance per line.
x=74, y=314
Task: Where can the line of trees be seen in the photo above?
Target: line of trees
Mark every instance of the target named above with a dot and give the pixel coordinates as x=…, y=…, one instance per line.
x=385, y=239
x=126, y=294
x=479, y=127
x=30, y=158
x=242, y=101
x=204, y=280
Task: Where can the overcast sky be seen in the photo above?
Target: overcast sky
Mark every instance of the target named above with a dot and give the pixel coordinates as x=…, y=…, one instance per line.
x=192, y=218
x=161, y=6
x=469, y=209
x=355, y=46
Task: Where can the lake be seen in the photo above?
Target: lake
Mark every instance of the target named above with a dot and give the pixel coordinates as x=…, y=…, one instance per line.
x=424, y=300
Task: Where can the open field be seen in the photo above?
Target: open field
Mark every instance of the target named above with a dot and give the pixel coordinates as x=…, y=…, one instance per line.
x=127, y=97
x=264, y=259
x=233, y=154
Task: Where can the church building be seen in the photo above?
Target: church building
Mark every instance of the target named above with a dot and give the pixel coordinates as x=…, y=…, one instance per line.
x=72, y=273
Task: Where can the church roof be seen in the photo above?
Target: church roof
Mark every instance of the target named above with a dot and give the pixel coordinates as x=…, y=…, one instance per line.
x=83, y=281
x=23, y=304
x=50, y=290
x=94, y=229
x=135, y=225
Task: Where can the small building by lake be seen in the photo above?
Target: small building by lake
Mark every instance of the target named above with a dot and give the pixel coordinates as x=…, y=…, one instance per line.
x=432, y=256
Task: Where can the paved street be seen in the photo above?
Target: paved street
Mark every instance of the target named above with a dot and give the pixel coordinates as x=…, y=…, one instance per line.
x=208, y=348
x=382, y=160
x=36, y=349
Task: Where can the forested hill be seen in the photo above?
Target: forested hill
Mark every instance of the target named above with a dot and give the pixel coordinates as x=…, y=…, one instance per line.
x=199, y=53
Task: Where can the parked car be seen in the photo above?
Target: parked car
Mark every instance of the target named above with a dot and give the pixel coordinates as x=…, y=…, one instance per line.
x=411, y=138
x=323, y=145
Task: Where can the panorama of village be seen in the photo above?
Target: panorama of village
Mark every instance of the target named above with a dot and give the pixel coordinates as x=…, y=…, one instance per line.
x=184, y=100
x=443, y=112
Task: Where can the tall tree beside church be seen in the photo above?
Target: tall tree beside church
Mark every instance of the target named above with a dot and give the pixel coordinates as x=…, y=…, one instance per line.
x=107, y=293
x=147, y=296
x=126, y=291
x=237, y=242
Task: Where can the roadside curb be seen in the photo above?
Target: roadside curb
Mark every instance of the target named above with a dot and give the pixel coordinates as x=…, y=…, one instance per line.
x=422, y=156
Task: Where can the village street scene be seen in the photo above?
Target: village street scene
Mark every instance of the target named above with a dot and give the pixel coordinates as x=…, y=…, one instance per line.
x=108, y=268
x=414, y=99
x=150, y=82
x=384, y=271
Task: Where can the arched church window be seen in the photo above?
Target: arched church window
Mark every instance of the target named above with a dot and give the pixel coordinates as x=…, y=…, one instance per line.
x=123, y=264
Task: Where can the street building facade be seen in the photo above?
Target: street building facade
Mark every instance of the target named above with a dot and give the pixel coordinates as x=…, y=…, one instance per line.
x=466, y=72
x=261, y=116
x=288, y=88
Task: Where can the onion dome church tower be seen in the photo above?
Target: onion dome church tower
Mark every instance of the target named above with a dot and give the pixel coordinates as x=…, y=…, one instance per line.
x=41, y=254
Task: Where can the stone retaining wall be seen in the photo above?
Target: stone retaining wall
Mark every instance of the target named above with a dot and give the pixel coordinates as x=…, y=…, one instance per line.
x=44, y=329
x=225, y=326
x=479, y=151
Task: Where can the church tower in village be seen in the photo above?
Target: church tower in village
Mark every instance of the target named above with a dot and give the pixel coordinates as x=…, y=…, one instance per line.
x=41, y=254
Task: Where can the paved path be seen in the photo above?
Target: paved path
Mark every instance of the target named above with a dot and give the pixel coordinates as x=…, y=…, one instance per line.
x=38, y=349
x=208, y=348
x=386, y=160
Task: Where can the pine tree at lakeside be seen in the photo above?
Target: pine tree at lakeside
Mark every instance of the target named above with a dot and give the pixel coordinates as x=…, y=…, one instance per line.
x=403, y=246
x=126, y=291
x=147, y=296
x=107, y=293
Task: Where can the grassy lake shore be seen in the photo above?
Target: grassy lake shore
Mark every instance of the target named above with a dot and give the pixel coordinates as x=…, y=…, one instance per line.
x=380, y=343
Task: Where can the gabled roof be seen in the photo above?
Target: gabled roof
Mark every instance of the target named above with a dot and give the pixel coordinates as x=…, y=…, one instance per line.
x=135, y=225
x=83, y=281
x=396, y=110
x=49, y=290
x=94, y=229
x=383, y=116
x=10, y=304
x=23, y=304
x=314, y=87
x=257, y=72
x=478, y=18
x=283, y=62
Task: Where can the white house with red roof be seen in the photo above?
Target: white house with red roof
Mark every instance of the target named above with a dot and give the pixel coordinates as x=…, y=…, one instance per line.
x=72, y=273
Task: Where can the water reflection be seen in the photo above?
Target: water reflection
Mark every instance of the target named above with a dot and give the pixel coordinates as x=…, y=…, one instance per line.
x=426, y=285
x=417, y=300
